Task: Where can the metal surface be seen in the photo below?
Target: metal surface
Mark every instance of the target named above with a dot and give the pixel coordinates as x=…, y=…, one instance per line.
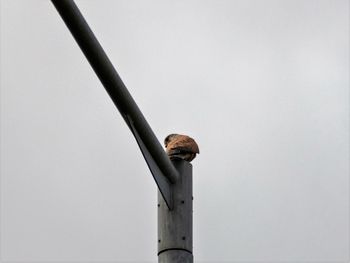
x=117, y=91
x=175, y=256
x=175, y=226
x=163, y=184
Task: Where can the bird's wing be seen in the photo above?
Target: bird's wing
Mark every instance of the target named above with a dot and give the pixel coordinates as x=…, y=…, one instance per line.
x=184, y=144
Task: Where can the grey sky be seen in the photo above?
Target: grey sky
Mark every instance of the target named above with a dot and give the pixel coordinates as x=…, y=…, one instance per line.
x=263, y=86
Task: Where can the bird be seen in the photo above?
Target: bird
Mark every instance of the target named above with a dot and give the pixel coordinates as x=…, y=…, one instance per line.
x=180, y=146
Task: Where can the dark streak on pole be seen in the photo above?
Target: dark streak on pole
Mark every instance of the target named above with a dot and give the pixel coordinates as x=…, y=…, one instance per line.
x=113, y=84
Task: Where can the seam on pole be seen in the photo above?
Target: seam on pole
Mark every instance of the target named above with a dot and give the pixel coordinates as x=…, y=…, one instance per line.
x=168, y=249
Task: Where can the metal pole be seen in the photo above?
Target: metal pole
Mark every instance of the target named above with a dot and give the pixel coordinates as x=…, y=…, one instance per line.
x=174, y=179
x=113, y=84
x=175, y=226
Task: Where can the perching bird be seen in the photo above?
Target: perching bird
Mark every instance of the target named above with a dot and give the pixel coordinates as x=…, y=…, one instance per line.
x=181, y=147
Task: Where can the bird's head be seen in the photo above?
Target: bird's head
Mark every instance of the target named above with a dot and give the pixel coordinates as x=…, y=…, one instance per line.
x=169, y=138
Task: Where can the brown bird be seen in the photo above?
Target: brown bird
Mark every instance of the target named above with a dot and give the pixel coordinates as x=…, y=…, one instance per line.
x=181, y=147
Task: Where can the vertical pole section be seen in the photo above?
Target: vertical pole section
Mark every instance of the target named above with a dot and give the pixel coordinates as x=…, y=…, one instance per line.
x=175, y=226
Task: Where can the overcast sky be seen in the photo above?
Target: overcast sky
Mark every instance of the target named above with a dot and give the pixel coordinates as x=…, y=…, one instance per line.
x=263, y=87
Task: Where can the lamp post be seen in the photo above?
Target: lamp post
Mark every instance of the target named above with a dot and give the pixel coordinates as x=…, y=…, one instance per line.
x=174, y=179
x=175, y=226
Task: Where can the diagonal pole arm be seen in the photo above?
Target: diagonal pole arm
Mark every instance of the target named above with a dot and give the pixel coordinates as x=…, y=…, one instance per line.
x=162, y=169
